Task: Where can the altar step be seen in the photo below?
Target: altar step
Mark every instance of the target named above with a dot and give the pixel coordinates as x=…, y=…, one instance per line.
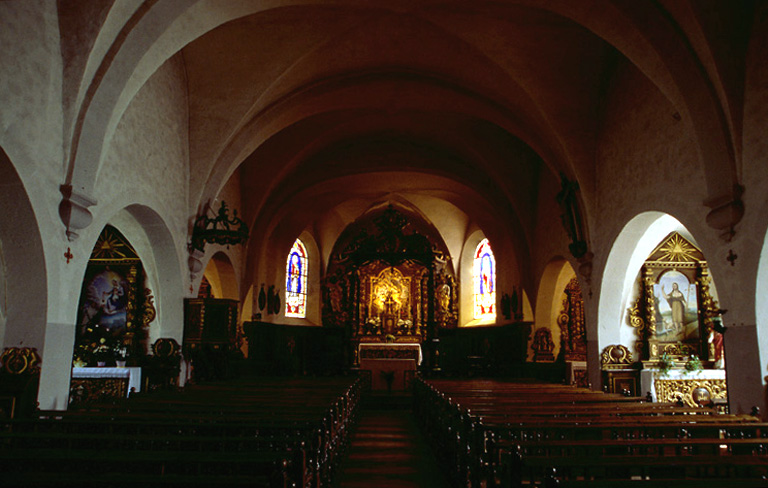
x=387, y=450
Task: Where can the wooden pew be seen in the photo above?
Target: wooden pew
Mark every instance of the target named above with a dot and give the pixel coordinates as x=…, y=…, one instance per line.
x=290, y=434
x=493, y=437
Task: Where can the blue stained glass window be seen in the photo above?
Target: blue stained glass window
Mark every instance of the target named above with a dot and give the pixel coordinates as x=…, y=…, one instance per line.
x=296, y=281
x=484, y=278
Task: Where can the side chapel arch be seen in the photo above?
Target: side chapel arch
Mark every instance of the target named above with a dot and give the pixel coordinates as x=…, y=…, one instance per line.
x=25, y=283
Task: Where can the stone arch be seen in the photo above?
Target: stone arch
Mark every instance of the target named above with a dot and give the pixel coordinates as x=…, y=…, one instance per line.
x=761, y=307
x=153, y=241
x=222, y=277
x=154, y=32
x=23, y=277
x=549, y=301
x=631, y=248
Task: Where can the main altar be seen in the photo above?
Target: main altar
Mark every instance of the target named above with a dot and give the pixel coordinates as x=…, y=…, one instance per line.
x=391, y=285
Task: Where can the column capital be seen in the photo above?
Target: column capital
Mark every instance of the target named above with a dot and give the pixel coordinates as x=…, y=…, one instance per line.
x=73, y=210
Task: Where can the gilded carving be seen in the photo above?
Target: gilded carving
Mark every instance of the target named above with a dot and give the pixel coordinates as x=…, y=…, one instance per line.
x=678, y=349
x=149, y=307
x=543, y=346
x=616, y=354
x=650, y=305
x=573, y=336
x=20, y=360
x=636, y=317
x=693, y=393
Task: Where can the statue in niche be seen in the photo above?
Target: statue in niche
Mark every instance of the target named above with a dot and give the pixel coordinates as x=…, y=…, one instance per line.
x=389, y=309
x=445, y=298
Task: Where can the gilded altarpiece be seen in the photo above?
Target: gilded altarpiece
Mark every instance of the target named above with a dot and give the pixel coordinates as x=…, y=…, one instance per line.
x=114, y=314
x=675, y=310
x=389, y=281
x=573, y=332
x=573, y=335
x=676, y=316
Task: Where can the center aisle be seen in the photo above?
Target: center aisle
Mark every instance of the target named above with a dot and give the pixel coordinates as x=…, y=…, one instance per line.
x=388, y=450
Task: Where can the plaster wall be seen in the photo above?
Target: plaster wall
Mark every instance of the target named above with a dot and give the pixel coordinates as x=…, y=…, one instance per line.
x=550, y=239
x=145, y=168
x=3, y=292
x=755, y=177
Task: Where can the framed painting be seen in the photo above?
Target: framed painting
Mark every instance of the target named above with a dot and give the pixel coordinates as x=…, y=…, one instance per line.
x=676, y=300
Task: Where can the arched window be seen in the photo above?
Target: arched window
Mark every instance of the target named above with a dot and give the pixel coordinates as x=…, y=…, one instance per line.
x=296, y=281
x=484, y=275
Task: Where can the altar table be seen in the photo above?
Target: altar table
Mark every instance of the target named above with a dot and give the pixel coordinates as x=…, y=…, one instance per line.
x=93, y=384
x=392, y=366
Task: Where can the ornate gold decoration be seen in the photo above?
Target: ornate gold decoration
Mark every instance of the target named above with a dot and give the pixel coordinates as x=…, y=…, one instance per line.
x=543, y=346
x=693, y=393
x=708, y=305
x=112, y=246
x=636, y=317
x=88, y=390
x=446, y=309
x=149, y=308
x=616, y=354
x=20, y=360
x=650, y=305
x=678, y=349
x=573, y=332
x=165, y=348
x=677, y=250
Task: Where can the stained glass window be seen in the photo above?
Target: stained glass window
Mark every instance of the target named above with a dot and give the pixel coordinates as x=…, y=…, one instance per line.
x=484, y=275
x=296, y=281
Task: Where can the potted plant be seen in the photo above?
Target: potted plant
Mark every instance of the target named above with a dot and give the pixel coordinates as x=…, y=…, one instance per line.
x=666, y=362
x=121, y=355
x=693, y=365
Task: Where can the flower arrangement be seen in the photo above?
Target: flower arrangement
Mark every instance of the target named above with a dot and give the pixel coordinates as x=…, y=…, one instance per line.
x=120, y=352
x=666, y=362
x=693, y=365
x=102, y=351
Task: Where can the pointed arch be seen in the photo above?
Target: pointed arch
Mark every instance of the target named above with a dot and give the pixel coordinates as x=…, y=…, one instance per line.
x=549, y=302
x=484, y=281
x=296, y=273
x=222, y=277
x=25, y=280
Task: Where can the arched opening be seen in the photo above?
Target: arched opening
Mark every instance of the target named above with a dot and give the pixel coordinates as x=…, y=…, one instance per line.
x=23, y=276
x=761, y=305
x=23, y=293
x=630, y=249
x=467, y=276
x=151, y=281
x=220, y=275
x=560, y=326
x=668, y=340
